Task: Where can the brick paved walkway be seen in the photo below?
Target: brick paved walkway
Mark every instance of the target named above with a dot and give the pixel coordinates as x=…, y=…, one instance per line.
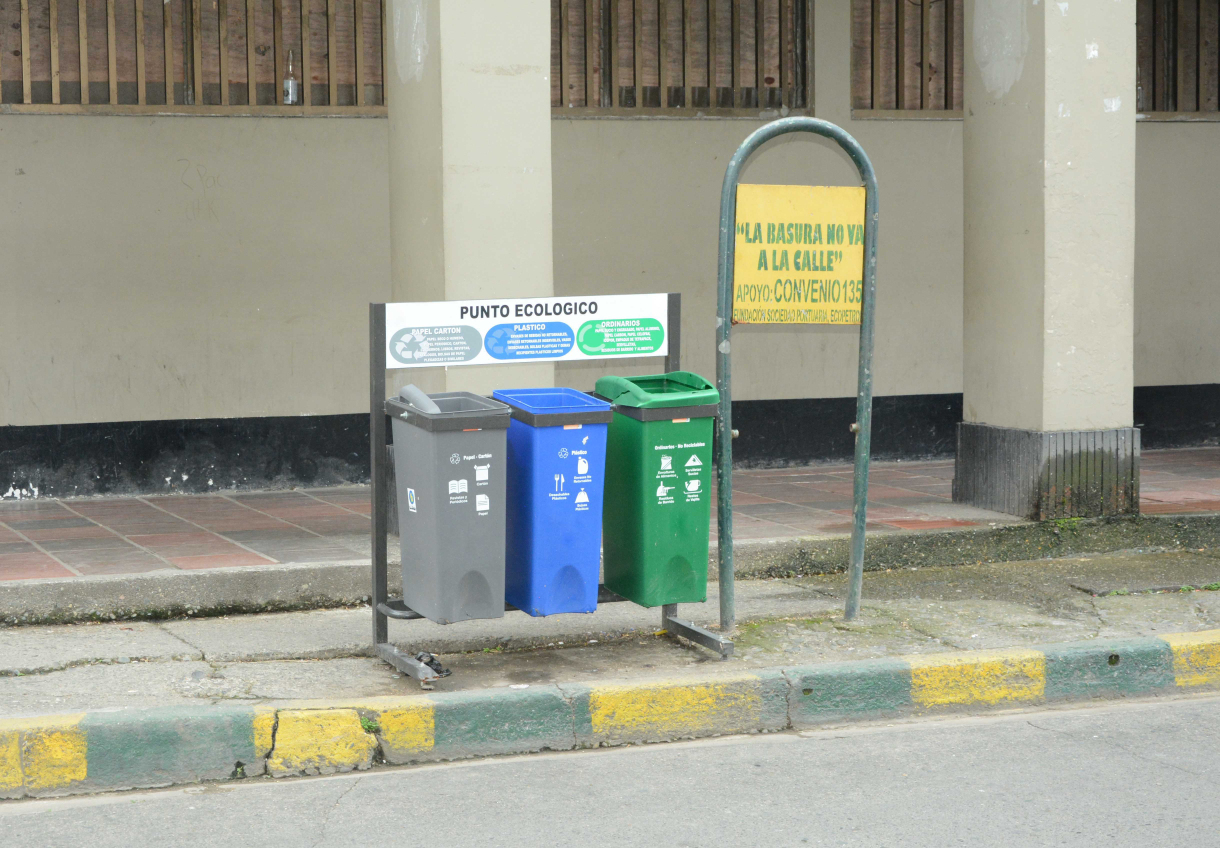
x=123, y=535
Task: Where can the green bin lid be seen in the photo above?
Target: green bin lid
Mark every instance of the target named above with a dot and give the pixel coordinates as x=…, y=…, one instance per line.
x=658, y=391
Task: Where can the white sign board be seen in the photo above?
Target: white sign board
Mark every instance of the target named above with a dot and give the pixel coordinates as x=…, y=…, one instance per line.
x=545, y=329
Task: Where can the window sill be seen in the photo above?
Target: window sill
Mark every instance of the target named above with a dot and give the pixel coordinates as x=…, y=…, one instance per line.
x=1179, y=117
x=161, y=110
x=906, y=115
x=584, y=113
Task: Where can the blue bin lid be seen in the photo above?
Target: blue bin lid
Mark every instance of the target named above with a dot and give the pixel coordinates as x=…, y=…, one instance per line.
x=550, y=401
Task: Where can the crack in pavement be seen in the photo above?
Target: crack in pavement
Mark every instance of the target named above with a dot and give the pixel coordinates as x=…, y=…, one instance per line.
x=333, y=807
x=202, y=654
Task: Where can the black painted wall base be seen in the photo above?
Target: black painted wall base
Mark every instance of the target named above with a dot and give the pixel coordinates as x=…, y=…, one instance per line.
x=1178, y=416
x=153, y=457
x=1041, y=475
x=171, y=456
x=796, y=432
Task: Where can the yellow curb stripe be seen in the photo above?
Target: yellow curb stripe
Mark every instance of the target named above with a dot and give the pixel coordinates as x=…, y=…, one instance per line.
x=48, y=752
x=320, y=742
x=10, y=761
x=978, y=677
x=410, y=729
x=1196, y=657
x=671, y=707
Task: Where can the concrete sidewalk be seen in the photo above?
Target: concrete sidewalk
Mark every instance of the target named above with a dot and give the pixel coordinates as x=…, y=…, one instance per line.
x=324, y=655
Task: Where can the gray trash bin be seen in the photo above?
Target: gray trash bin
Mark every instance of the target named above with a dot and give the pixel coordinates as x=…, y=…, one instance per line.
x=449, y=460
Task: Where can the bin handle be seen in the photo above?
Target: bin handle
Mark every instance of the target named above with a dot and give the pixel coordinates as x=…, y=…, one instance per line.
x=415, y=396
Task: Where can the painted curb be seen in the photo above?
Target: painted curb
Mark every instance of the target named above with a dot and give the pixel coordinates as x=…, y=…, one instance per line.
x=137, y=749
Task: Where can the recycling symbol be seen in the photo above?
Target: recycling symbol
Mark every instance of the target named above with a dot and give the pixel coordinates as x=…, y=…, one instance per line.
x=563, y=453
x=455, y=459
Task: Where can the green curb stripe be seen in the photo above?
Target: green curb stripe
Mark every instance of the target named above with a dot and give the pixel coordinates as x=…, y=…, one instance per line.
x=1083, y=670
x=166, y=746
x=821, y=694
x=502, y=722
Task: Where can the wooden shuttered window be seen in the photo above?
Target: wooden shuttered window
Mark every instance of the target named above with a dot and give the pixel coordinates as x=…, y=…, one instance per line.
x=906, y=55
x=1178, y=63
x=680, y=57
x=191, y=56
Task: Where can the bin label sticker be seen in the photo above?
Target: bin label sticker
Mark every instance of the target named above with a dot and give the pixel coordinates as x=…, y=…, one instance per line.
x=458, y=492
x=582, y=501
x=621, y=337
x=563, y=453
x=454, y=459
x=481, y=473
x=667, y=463
x=548, y=340
x=799, y=255
x=415, y=345
x=483, y=332
x=411, y=500
x=663, y=494
x=694, y=461
x=482, y=504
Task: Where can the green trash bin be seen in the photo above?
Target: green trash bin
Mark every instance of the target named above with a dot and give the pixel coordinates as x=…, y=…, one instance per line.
x=657, y=509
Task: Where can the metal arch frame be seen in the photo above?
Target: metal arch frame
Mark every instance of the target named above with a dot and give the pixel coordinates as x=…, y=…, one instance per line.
x=864, y=387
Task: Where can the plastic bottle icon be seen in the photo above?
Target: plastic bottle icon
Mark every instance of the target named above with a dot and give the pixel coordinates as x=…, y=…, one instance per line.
x=582, y=466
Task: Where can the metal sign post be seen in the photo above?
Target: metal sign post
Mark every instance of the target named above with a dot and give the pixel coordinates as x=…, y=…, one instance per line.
x=864, y=397
x=458, y=352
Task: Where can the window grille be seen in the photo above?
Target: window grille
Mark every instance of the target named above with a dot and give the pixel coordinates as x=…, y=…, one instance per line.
x=679, y=57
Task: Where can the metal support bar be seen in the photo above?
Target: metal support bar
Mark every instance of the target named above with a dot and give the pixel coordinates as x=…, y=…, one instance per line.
x=377, y=457
x=864, y=397
x=679, y=627
x=406, y=664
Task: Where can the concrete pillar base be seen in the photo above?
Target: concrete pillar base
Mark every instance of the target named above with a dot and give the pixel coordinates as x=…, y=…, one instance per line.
x=1042, y=475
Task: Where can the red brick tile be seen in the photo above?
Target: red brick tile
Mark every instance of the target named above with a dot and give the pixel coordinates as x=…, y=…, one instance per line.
x=1155, y=508
x=171, y=545
x=90, y=532
x=1178, y=496
x=928, y=523
x=31, y=566
x=220, y=561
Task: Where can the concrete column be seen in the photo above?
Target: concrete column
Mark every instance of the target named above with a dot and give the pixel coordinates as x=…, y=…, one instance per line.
x=469, y=95
x=1049, y=158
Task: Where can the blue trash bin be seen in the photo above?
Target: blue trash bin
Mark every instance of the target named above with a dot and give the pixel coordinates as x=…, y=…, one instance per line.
x=556, y=469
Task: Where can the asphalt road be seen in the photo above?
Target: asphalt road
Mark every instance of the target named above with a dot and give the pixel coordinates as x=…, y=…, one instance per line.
x=1123, y=774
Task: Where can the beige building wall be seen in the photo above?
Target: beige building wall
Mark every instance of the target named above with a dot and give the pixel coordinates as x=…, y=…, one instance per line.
x=168, y=268
x=1177, y=254
x=220, y=267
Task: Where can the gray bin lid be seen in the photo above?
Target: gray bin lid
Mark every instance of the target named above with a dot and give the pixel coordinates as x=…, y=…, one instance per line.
x=458, y=411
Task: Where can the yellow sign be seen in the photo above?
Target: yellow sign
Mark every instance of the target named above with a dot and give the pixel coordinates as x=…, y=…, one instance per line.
x=800, y=255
